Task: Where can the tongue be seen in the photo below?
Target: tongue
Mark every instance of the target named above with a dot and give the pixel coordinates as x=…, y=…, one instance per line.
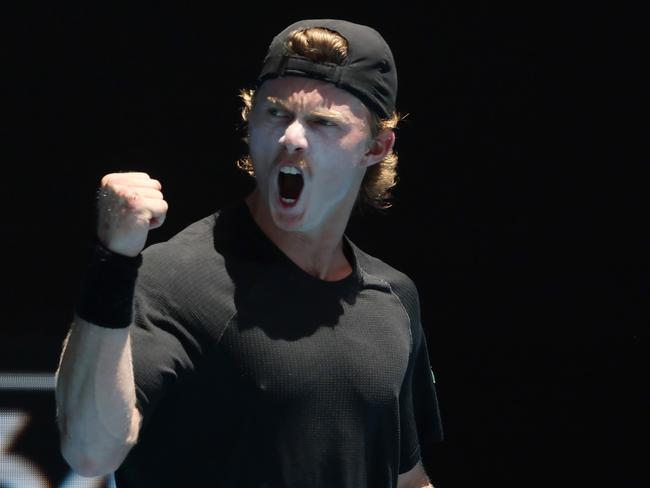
x=290, y=185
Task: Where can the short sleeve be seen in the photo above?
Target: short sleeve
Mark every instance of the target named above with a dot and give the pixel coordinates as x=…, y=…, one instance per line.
x=420, y=422
x=163, y=349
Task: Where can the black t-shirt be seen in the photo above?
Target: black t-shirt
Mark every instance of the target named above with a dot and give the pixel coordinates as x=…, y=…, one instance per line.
x=252, y=373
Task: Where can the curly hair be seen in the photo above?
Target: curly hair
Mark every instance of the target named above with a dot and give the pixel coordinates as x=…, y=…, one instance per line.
x=325, y=46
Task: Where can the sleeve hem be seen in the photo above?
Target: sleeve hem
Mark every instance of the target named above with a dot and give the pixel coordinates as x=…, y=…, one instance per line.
x=412, y=461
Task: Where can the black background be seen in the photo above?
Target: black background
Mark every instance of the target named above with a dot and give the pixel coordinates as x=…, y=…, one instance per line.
x=520, y=212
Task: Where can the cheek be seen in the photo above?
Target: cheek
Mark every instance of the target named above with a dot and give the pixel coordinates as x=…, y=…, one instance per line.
x=258, y=143
x=254, y=138
x=259, y=153
x=356, y=143
x=338, y=173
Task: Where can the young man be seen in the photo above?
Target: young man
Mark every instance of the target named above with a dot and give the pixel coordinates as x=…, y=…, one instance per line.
x=259, y=347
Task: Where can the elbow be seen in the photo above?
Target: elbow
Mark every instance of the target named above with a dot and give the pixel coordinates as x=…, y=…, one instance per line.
x=92, y=451
x=90, y=458
x=84, y=467
x=88, y=464
x=81, y=463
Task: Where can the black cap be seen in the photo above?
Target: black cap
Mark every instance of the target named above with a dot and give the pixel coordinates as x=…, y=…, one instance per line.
x=368, y=72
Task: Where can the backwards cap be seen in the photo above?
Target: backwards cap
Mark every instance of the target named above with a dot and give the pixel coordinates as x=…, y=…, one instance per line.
x=368, y=72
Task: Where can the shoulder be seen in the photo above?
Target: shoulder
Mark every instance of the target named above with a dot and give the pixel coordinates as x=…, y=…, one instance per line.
x=185, y=280
x=191, y=242
x=399, y=282
x=185, y=262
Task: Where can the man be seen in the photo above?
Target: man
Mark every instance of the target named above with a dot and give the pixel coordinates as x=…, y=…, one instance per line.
x=259, y=347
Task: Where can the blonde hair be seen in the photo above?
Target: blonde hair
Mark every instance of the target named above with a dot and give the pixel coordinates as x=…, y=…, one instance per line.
x=325, y=46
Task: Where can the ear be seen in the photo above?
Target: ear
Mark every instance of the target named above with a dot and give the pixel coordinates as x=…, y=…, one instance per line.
x=379, y=148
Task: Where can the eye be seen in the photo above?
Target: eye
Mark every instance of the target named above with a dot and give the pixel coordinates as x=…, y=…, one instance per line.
x=277, y=112
x=324, y=122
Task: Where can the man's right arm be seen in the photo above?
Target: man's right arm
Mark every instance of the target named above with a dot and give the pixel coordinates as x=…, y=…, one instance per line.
x=95, y=389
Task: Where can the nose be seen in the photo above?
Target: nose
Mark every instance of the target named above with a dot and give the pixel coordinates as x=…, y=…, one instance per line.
x=294, y=138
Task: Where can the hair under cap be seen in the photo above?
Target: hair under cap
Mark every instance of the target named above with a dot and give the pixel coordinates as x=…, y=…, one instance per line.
x=368, y=73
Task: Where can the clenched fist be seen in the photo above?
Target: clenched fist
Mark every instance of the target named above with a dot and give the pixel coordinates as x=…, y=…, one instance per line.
x=129, y=206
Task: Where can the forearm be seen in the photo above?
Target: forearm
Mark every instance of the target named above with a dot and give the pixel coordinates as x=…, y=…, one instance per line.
x=415, y=478
x=95, y=396
x=421, y=484
x=415, y=484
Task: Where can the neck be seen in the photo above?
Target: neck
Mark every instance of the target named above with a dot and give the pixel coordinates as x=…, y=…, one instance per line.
x=318, y=252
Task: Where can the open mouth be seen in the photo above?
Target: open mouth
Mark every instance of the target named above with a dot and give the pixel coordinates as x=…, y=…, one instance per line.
x=290, y=183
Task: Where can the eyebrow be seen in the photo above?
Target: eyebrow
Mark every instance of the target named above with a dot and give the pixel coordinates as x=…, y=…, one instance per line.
x=318, y=112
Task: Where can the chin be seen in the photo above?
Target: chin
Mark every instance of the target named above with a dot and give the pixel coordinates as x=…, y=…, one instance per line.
x=289, y=225
x=289, y=220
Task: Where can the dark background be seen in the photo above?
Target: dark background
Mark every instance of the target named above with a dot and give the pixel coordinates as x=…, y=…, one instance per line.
x=520, y=212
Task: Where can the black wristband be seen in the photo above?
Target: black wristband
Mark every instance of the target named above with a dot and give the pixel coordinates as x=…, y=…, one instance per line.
x=106, y=297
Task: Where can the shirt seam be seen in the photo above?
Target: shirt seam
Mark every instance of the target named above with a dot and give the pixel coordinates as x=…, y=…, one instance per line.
x=228, y=324
x=392, y=292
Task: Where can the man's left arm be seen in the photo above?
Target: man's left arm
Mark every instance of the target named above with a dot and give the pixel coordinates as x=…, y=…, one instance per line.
x=415, y=478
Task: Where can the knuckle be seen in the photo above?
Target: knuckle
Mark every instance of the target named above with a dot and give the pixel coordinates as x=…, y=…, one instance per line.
x=106, y=179
x=131, y=199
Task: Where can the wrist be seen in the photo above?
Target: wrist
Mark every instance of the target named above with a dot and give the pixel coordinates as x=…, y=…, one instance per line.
x=106, y=297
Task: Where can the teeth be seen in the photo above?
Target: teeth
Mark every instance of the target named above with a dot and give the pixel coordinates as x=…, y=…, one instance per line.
x=288, y=200
x=290, y=170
